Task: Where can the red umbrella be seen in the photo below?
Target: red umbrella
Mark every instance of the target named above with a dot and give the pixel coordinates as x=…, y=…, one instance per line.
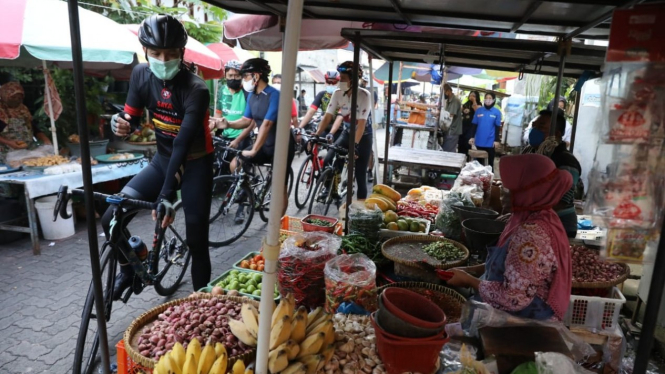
x=208, y=63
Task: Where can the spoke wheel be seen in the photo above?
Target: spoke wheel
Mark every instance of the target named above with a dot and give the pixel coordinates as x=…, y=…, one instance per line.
x=304, y=183
x=264, y=208
x=174, y=255
x=320, y=203
x=228, y=197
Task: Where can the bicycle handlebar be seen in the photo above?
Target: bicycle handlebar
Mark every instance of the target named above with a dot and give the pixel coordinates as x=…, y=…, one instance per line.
x=63, y=199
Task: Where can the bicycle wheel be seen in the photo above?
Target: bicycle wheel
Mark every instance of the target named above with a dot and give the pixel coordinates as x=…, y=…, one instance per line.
x=229, y=195
x=87, y=344
x=174, y=255
x=305, y=182
x=320, y=203
x=264, y=204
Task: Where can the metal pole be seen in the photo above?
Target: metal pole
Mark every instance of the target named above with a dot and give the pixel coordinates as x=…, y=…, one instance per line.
x=652, y=308
x=557, y=93
x=278, y=189
x=388, y=114
x=79, y=94
x=375, y=122
x=352, y=129
x=573, y=131
x=444, y=80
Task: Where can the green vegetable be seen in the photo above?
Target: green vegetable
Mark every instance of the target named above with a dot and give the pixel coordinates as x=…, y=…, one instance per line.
x=444, y=251
x=357, y=243
x=319, y=222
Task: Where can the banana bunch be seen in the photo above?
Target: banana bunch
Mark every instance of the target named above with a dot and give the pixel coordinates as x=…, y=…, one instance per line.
x=209, y=360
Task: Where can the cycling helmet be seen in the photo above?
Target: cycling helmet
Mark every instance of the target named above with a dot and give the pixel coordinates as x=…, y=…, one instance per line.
x=256, y=65
x=365, y=77
x=332, y=76
x=347, y=68
x=232, y=64
x=162, y=31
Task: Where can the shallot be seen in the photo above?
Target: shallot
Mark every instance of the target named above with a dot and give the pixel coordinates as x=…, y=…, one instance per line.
x=588, y=267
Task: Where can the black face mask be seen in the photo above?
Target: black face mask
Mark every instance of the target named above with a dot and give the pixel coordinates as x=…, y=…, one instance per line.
x=234, y=84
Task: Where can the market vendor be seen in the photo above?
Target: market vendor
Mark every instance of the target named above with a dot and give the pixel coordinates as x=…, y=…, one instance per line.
x=418, y=114
x=529, y=273
x=16, y=127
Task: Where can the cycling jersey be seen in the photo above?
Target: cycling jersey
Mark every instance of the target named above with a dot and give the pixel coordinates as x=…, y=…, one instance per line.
x=179, y=110
x=340, y=102
x=321, y=100
x=232, y=108
x=264, y=106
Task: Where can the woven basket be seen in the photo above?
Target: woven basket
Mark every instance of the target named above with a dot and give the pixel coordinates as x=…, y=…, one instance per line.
x=609, y=284
x=452, y=318
x=431, y=260
x=149, y=316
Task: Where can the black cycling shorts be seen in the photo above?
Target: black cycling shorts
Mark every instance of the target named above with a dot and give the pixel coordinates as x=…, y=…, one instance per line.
x=265, y=156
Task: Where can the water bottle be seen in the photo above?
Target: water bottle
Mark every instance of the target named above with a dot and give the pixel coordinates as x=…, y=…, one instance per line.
x=139, y=247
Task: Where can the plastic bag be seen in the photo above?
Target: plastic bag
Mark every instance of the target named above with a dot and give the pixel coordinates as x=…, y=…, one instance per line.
x=365, y=221
x=476, y=175
x=350, y=278
x=301, y=265
x=447, y=220
x=465, y=362
x=15, y=158
x=557, y=363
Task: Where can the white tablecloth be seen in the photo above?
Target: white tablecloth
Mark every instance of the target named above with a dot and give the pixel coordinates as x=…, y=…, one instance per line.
x=38, y=184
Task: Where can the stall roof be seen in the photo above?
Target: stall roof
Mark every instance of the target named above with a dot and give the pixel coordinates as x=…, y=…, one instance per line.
x=529, y=56
x=562, y=18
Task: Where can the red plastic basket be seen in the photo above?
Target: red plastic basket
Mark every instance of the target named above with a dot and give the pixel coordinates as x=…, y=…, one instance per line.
x=125, y=363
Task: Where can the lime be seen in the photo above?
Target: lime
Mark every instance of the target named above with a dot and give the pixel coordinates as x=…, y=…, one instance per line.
x=256, y=293
x=251, y=289
x=242, y=290
x=234, y=272
x=251, y=282
x=233, y=286
x=415, y=226
x=258, y=278
x=403, y=226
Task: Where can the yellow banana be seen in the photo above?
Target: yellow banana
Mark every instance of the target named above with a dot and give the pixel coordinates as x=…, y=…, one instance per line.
x=384, y=190
x=238, y=367
x=208, y=358
x=281, y=311
x=291, y=347
x=171, y=364
x=292, y=304
x=323, y=318
x=277, y=360
x=313, y=315
x=313, y=363
x=160, y=365
x=330, y=335
x=280, y=332
x=295, y=368
x=249, y=319
x=328, y=352
x=250, y=369
x=190, y=364
x=321, y=327
x=178, y=354
x=194, y=348
x=219, y=367
x=298, y=328
x=240, y=331
x=311, y=345
x=220, y=350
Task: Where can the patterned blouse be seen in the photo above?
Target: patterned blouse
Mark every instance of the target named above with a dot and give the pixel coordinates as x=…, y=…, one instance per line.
x=530, y=264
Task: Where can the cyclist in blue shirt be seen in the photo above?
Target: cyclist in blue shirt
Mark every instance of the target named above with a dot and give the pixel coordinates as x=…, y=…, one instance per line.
x=486, y=123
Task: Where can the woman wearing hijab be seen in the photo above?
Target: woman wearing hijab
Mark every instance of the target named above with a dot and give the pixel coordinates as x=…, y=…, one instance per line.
x=528, y=274
x=468, y=111
x=486, y=123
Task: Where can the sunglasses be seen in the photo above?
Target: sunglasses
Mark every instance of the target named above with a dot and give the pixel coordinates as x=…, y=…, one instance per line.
x=345, y=69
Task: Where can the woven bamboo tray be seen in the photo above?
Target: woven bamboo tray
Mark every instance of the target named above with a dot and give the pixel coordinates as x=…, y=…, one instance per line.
x=453, y=312
x=609, y=284
x=151, y=315
x=422, y=256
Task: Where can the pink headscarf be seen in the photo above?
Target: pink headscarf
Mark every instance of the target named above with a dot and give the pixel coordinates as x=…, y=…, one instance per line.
x=536, y=185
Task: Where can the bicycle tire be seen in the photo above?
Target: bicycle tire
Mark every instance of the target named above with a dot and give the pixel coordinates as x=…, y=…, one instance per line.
x=264, y=206
x=323, y=178
x=222, y=219
x=173, y=246
x=109, y=263
x=301, y=184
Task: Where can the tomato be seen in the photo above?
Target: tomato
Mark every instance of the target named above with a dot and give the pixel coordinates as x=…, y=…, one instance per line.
x=244, y=264
x=260, y=267
x=261, y=263
x=258, y=258
x=253, y=266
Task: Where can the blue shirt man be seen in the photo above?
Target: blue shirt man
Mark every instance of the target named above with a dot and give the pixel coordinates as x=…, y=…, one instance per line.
x=486, y=123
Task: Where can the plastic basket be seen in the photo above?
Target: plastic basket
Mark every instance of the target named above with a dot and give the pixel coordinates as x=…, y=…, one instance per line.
x=226, y=274
x=595, y=312
x=125, y=363
x=294, y=225
x=246, y=257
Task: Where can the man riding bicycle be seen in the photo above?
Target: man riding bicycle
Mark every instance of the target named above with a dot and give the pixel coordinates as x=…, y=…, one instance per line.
x=341, y=102
x=321, y=101
x=177, y=103
x=261, y=109
x=232, y=102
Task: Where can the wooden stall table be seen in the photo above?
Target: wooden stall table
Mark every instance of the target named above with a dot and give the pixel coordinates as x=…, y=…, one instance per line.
x=413, y=127
x=423, y=158
x=29, y=185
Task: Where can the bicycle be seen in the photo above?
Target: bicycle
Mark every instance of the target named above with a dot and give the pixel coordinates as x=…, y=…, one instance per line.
x=333, y=180
x=309, y=170
x=169, y=251
x=247, y=188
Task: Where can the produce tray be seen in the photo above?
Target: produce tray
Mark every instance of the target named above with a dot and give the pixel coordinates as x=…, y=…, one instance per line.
x=214, y=282
x=385, y=233
x=247, y=257
x=135, y=327
x=422, y=256
x=621, y=279
x=294, y=225
x=452, y=308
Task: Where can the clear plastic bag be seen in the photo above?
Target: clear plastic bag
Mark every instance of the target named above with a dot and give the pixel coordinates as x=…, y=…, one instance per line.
x=557, y=363
x=476, y=175
x=301, y=264
x=350, y=278
x=447, y=220
x=365, y=221
x=16, y=157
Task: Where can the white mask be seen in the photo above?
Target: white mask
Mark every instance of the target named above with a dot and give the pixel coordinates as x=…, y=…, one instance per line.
x=331, y=89
x=248, y=85
x=278, y=86
x=344, y=86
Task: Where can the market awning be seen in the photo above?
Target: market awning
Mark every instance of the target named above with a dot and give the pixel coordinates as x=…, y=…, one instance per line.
x=313, y=72
x=584, y=19
x=513, y=55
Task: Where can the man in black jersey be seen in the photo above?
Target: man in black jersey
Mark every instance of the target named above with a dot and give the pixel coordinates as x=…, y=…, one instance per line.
x=177, y=103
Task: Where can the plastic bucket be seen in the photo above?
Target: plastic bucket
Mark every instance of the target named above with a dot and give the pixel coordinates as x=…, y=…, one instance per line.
x=97, y=148
x=481, y=233
x=468, y=212
x=61, y=228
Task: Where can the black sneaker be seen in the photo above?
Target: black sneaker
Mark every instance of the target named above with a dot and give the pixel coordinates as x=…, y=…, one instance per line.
x=240, y=215
x=122, y=282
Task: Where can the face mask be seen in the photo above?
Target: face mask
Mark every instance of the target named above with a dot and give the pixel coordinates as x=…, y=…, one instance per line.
x=234, y=84
x=164, y=70
x=446, y=96
x=344, y=86
x=536, y=137
x=331, y=89
x=278, y=86
x=248, y=85
x=489, y=102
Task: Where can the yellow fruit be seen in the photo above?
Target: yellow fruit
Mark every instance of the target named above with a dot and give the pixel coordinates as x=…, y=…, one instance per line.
x=380, y=203
x=178, y=354
x=314, y=315
x=190, y=364
x=312, y=363
x=219, y=367
x=194, y=348
x=390, y=216
x=387, y=191
x=249, y=319
x=171, y=365
x=393, y=226
x=295, y=368
x=390, y=203
x=250, y=369
x=281, y=332
x=238, y=367
x=328, y=352
x=277, y=360
x=321, y=327
x=220, y=350
x=208, y=358
x=281, y=311
x=330, y=335
x=311, y=345
x=240, y=331
x=291, y=347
